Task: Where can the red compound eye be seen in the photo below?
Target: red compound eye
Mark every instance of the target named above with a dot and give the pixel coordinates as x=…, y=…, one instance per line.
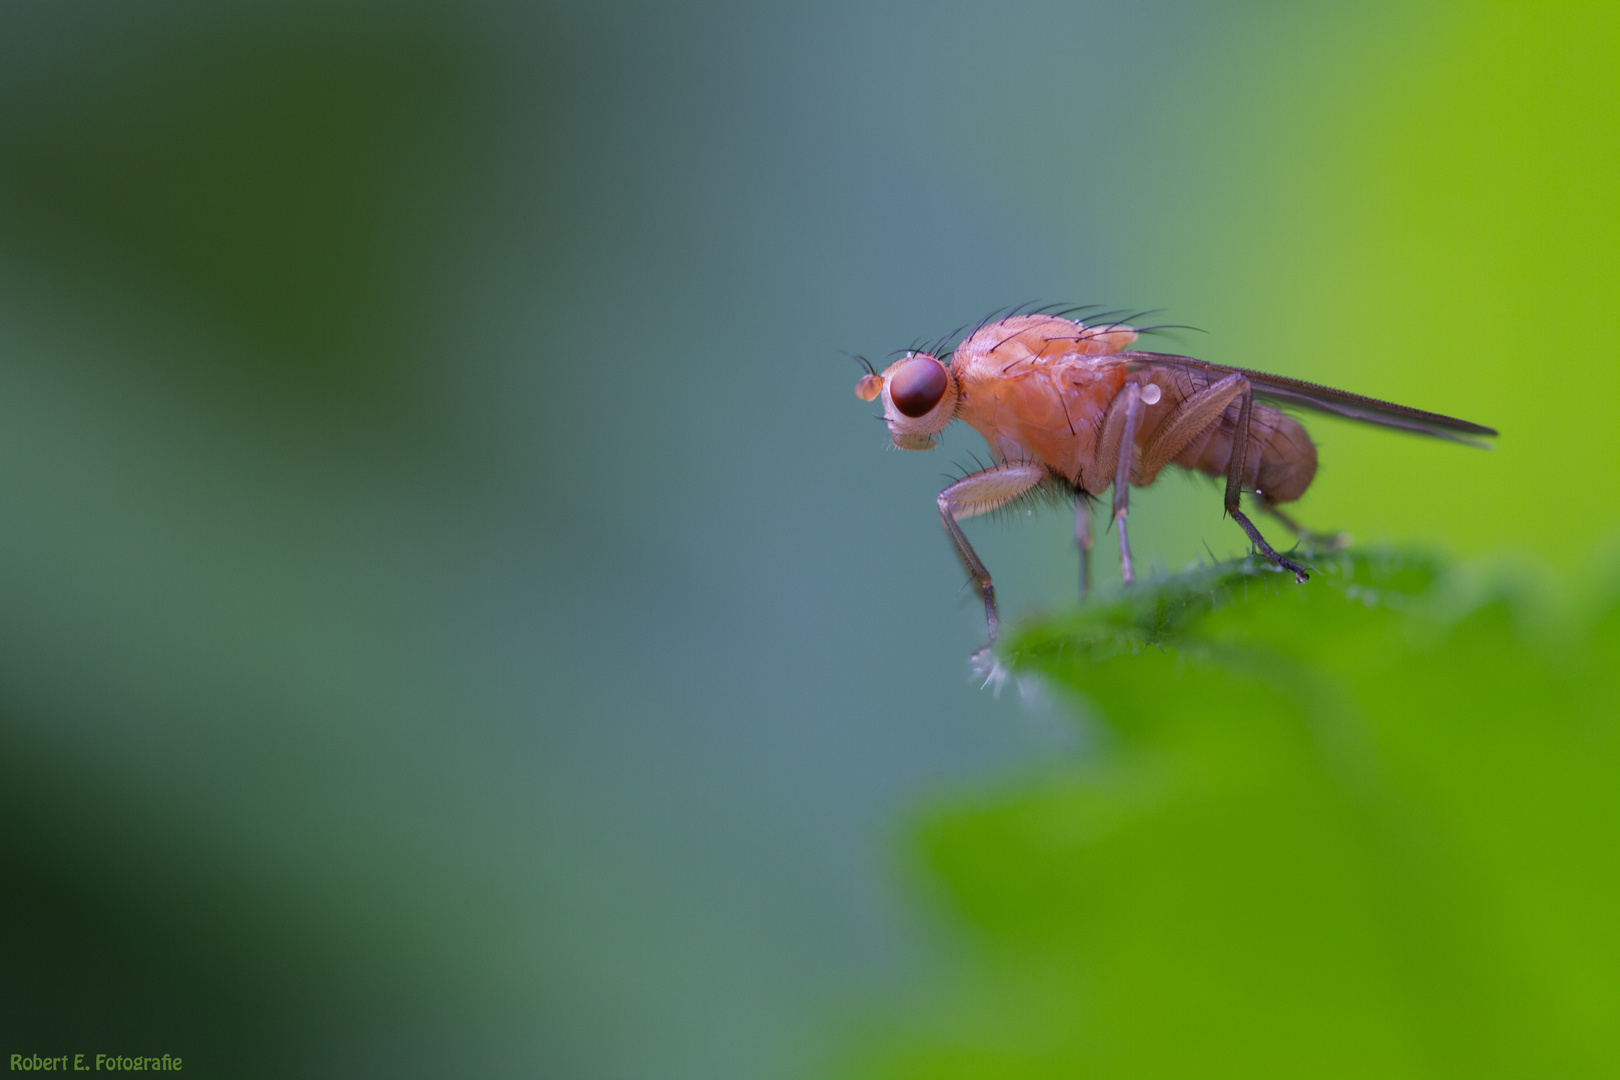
x=917, y=387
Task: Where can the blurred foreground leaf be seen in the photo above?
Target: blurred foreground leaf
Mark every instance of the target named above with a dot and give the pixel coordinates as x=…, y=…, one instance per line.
x=1364, y=827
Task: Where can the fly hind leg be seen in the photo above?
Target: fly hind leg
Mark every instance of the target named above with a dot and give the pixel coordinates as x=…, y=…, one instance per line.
x=1195, y=416
x=1310, y=538
x=1234, y=486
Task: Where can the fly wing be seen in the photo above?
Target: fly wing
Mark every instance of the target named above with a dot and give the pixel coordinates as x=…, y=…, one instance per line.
x=1325, y=399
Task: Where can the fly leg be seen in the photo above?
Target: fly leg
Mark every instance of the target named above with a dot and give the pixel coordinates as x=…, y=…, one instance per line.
x=1309, y=537
x=1082, y=540
x=1122, y=474
x=1234, y=484
x=1196, y=415
x=980, y=493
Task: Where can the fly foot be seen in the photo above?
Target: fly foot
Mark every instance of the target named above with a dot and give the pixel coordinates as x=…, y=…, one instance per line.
x=988, y=668
x=1299, y=572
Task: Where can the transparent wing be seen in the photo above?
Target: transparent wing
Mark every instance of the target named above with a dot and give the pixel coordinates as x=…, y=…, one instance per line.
x=1325, y=399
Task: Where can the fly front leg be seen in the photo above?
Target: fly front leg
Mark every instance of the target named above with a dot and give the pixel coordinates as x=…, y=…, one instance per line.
x=980, y=493
x=1234, y=485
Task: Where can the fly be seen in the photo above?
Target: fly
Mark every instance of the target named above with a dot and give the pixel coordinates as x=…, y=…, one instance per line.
x=1073, y=410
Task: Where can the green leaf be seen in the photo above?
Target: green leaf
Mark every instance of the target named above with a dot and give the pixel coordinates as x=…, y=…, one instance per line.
x=1361, y=827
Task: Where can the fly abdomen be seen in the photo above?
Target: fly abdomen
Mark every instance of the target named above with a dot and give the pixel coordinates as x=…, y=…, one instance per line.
x=1281, y=457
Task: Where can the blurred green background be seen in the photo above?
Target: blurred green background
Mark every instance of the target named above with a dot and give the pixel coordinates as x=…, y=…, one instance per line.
x=455, y=617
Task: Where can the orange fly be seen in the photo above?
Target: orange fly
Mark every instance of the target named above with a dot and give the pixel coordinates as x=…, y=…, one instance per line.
x=1071, y=410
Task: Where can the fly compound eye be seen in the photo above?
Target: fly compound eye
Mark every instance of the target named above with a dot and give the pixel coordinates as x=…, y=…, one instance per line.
x=917, y=387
